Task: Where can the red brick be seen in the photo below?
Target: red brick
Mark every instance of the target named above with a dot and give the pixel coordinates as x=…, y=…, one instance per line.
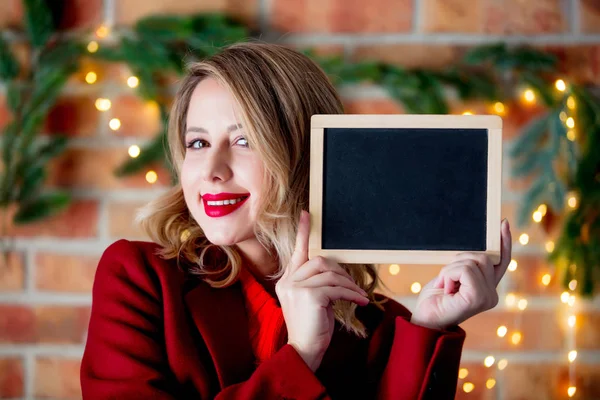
x=43, y=324
x=590, y=16
x=577, y=63
x=11, y=14
x=452, y=16
x=11, y=273
x=541, y=331
x=399, y=285
x=523, y=17
x=74, y=116
x=69, y=273
x=17, y=324
x=478, y=375
x=372, y=106
x=587, y=334
x=121, y=221
x=11, y=378
x=536, y=232
x=81, y=14
x=129, y=11
x=410, y=55
x=79, y=220
x=57, y=378
x=342, y=16
x=138, y=117
x=94, y=168
x=527, y=279
x=550, y=381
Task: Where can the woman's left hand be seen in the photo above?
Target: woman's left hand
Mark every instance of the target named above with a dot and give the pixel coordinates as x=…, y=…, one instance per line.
x=463, y=288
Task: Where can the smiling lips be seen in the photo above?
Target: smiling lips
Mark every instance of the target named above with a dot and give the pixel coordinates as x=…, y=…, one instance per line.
x=222, y=204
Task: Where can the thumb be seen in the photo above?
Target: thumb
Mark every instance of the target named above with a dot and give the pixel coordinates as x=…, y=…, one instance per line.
x=300, y=255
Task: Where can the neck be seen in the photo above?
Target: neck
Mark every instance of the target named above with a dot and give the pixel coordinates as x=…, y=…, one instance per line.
x=256, y=257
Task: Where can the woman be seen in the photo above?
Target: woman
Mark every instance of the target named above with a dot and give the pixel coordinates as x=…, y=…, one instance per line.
x=224, y=303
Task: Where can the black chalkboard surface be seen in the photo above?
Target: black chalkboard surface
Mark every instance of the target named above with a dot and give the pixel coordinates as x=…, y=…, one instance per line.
x=412, y=189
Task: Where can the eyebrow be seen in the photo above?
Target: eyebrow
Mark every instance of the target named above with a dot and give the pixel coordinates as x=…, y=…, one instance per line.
x=230, y=129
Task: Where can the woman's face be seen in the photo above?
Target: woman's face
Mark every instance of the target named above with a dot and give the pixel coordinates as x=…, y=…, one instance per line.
x=218, y=162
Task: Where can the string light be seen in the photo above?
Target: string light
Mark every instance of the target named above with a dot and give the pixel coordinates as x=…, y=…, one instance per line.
x=572, y=202
x=415, y=287
x=394, y=269
x=571, y=301
x=571, y=102
x=510, y=299
x=490, y=383
x=91, y=77
x=546, y=279
x=543, y=209
x=572, y=355
x=151, y=177
x=114, y=124
x=563, y=116
x=133, y=81
x=502, y=364
x=522, y=304
x=550, y=246
x=489, y=361
x=572, y=320
x=571, y=135
x=102, y=31
x=516, y=337
x=463, y=373
x=573, y=284
x=570, y=123
x=502, y=331
x=92, y=46
x=467, y=113
x=537, y=216
x=133, y=151
x=468, y=387
x=529, y=96
x=512, y=266
x=103, y=104
x=571, y=391
x=560, y=85
x=524, y=239
x=499, y=108
x=564, y=297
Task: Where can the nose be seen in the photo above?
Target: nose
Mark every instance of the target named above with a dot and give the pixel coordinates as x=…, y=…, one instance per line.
x=216, y=167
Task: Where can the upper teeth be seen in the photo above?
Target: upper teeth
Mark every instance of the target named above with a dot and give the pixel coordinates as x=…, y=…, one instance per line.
x=224, y=202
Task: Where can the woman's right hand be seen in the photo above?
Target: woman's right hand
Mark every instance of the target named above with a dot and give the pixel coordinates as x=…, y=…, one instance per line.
x=306, y=292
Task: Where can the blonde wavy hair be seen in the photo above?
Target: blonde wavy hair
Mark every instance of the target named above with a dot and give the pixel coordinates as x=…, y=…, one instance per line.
x=277, y=90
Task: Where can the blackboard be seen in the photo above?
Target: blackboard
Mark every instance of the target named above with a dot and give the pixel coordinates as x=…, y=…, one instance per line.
x=412, y=189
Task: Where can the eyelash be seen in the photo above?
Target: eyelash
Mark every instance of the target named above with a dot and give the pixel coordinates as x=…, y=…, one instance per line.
x=190, y=144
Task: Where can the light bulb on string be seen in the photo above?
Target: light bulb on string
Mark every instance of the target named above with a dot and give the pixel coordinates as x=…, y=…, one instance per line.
x=571, y=391
x=573, y=284
x=114, y=124
x=133, y=151
x=546, y=279
x=394, y=269
x=502, y=364
x=571, y=135
x=529, y=96
x=516, y=338
x=571, y=301
x=499, y=108
x=512, y=266
x=571, y=103
x=560, y=85
x=502, y=330
x=536, y=216
x=415, y=287
x=489, y=361
x=133, y=81
x=103, y=104
x=463, y=373
x=91, y=77
x=468, y=387
x=102, y=31
x=550, y=246
x=467, y=112
x=92, y=46
x=490, y=383
x=572, y=355
x=510, y=299
x=570, y=122
x=522, y=304
x=151, y=177
x=564, y=297
x=572, y=320
x=524, y=239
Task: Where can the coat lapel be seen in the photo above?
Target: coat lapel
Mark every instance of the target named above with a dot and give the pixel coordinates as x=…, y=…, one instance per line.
x=220, y=317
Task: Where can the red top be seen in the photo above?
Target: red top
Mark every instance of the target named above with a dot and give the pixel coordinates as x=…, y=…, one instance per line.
x=265, y=318
x=156, y=332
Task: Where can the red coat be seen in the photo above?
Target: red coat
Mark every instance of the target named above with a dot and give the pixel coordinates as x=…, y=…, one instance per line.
x=155, y=334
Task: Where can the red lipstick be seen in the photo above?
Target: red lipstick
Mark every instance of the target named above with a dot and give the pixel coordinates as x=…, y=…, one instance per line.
x=222, y=210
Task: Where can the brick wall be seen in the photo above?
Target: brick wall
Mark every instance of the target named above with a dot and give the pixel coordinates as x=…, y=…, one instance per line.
x=45, y=293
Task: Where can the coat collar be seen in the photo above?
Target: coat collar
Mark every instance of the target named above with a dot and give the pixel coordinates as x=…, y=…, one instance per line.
x=220, y=317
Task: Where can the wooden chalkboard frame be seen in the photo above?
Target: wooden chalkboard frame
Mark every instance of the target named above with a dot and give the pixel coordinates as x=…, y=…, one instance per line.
x=319, y=123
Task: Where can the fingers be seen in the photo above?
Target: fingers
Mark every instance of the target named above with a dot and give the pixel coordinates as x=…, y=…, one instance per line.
x=483, y=262
x=506, y=252
x=330, y=278
x=300, y=255
x=468, y=274
x=333, y=293
x=316, y=266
